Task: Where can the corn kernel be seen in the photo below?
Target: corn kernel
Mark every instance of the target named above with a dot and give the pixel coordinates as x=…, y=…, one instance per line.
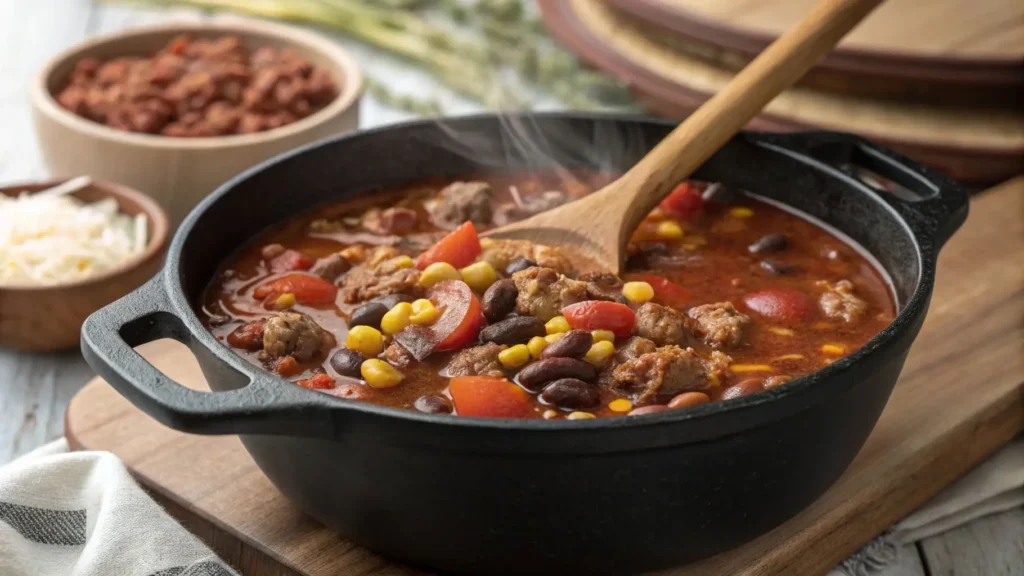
x=603, y=336
x=834, y=349
x=379, y=374
x=668, y=230
x=600, y=353
x=396, y=319
x=785, y=357
x=487, y=243
x=479, y=276
x=536, y=345
x=552, y=338
x=620, y=405
x=741, y=212
x=750, y=368
x=514, y=356
x=424, y=312
x=781, y=331
x=354, y=254
x=550, y=414
x=580, y=416
x=399, y=262
x=438, y=272
x=557, y=325
x=366, y=340
x=284, y=301
x=637, y=292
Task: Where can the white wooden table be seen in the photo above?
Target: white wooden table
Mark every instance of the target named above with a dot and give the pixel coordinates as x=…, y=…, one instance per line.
x=36, y=388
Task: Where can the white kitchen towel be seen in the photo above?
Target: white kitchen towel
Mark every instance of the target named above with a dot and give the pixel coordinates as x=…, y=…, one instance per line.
x=82, y=514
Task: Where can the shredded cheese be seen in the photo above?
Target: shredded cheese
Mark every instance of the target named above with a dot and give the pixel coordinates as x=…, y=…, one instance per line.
x=53, y=238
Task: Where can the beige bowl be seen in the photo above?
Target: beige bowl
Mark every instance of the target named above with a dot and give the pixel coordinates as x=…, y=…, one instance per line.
x=50, y=317
x=179, y=172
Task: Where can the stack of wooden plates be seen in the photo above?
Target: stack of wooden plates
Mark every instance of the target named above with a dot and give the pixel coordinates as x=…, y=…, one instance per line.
x=941, y=81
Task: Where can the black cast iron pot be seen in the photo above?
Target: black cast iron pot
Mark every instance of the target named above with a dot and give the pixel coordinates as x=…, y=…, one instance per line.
x=614, y=496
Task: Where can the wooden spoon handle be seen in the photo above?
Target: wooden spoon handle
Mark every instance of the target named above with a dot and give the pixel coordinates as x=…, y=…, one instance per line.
x=715, y=122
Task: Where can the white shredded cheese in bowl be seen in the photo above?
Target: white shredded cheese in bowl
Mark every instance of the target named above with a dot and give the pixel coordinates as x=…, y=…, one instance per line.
x=53, y=238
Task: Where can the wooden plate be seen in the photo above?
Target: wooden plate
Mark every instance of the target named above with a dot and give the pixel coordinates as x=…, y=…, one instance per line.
x=980, y=146
x=951, y=49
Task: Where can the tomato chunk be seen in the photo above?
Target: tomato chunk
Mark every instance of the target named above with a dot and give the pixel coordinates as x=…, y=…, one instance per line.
x=601, y=315
x=685, y=200
x=248, y=336
x=782, y=304
x=317, y=382
x=460, y=248
x=489, y=397
x=666, y=292
x=460, y=322
x=307, y=289
x=290, y=261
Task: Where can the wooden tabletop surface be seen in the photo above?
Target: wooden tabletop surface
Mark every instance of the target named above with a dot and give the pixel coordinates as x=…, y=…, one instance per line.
x=36, y=388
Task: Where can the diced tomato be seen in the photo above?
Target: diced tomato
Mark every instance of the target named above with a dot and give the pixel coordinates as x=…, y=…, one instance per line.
x=317, y=382
x=489, y=397
x=307, y=289
x=460, y=322
x=781, y=304
x=287, y=366
x=290, y=261
x=601, y=315
x=459, y=248
x=248, y=336
x=685, y=200
x=666, y=292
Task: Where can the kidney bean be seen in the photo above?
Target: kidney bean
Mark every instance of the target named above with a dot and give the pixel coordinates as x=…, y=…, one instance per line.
x=514, y=330
x=769, y=243
x=347, y=362
x=432, y=404
x=369, y=314
x=570, y=393
x=776, y=268
x=688, y=399
x=648, y=410
x=743, y=388
x=574, y=344
x=533, y=376
x=774, y=381
x=499, y=299
x=518, y=265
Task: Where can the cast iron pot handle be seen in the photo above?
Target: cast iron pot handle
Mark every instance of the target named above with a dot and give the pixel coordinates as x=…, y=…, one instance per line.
x=941, y=205
x=262, y=406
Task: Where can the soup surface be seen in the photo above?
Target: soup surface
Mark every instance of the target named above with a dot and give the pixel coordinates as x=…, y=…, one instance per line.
x=395, y=300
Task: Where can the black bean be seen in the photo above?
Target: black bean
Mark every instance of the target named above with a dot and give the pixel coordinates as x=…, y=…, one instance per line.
x=514, y=330
x=570, y=393
x=776, y=268
x=574, y=344
x=499, y=299
x=432, y=404
x=347, y=362
x=543, y=371
x=769, y=243
x=518, y=265
x=368, y=314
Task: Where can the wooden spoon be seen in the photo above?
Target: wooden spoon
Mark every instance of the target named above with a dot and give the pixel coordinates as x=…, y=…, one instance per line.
x=601, y=223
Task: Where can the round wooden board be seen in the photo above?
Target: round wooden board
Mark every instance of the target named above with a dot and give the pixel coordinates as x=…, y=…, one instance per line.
x=949, y=42
x=980, y=146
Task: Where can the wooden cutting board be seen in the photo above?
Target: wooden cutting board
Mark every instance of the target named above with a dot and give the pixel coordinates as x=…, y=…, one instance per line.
x=961, y=396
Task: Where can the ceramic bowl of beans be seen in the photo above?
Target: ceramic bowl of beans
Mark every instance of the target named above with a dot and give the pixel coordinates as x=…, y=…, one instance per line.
x=176, y=110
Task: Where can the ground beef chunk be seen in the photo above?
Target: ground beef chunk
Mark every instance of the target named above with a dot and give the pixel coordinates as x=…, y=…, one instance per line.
x=500, y=253
x=290, y=333
x=629, y=350
x=476, y=361
x=396, y=220
x=718, y=324
x=330, y=267
x=839, y=301
x=529, y=206
x=602, y=286
x=398, y=356
x=543, y=292
x=380, y=275
x=662, y=325
x=668, y=371
x=461, y=201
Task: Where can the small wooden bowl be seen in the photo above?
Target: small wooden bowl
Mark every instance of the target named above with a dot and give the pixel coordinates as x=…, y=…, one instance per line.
x=179, y=172
x=50, y=317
